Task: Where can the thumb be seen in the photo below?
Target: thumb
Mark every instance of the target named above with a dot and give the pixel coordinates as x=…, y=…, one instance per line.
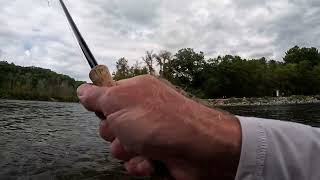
x=91, y=96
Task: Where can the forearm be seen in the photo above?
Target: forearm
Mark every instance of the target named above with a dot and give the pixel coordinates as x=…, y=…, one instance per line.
x=278, y=150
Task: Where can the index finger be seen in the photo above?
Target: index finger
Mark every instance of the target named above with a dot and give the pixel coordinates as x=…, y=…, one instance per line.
x=91, y=97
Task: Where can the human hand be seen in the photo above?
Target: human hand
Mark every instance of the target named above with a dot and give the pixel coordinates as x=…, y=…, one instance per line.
x=147, y=120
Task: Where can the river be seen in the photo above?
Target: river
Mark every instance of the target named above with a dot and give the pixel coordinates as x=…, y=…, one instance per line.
x=303, y=113
x=49, y=140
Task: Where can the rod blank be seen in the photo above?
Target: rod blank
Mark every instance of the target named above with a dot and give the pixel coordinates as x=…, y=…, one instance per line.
x=83, y=45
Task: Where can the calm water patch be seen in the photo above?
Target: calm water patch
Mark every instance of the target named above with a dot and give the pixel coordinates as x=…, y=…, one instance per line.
x=303, y=113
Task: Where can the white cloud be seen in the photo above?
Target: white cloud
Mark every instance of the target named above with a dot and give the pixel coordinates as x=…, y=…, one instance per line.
x=27, y=53
x=32, y=33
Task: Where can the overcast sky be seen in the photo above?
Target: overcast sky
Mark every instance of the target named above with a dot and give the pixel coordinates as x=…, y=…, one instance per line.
x=35, y=34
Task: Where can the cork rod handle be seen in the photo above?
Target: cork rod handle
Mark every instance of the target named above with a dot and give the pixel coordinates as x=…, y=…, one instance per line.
x=101, y=76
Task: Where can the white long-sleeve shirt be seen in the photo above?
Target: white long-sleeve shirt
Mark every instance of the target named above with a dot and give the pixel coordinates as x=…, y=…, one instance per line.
x=277, y=150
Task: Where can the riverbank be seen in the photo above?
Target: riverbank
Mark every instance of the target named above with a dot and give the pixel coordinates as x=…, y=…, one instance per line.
x=264, y=101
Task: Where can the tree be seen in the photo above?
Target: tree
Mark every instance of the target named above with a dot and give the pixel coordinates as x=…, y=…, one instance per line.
x=316, y=79
x=149, y=60
x=187, y=68
x=32, y=83
x=223, y=76
x=163, y=59
x=297, y=54
x=137, y=70
x=122, y=69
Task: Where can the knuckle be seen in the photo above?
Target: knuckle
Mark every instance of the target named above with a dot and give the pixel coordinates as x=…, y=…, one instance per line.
x=110, y=93
x=143, y=78
x=148, y=77
x=143, y=81
x=105, y=133
x=111, y=120
x=151, y=136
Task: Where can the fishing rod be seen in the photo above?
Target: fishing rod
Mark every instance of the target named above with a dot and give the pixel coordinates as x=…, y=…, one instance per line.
x=101, y=76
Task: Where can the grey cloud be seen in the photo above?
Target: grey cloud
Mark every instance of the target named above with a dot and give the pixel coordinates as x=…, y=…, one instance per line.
x=141, y=12
x=250, y=3
x=298, y=26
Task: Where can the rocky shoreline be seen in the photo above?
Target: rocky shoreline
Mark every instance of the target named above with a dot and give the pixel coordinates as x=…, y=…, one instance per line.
x=297, y=99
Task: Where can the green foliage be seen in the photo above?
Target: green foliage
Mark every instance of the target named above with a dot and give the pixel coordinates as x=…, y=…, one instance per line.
x=149, y=61
x=137, y=70
x=123, y=71
x=163, y=59
x=224, y=76
x=296, y=55
x=32, y=83
x=188, y=69
x=233, y=76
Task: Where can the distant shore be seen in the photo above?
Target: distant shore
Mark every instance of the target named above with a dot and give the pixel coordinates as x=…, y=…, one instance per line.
x=297, y=99
x=257, y=101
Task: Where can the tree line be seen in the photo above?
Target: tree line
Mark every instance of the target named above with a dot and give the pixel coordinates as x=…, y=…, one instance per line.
x=298, y=73
x=32, y=83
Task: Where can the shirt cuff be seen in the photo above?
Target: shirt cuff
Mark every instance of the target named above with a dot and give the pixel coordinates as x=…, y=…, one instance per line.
x=253, y=150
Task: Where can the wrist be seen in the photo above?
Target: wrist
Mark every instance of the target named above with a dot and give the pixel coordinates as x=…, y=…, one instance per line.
x=233, y=142
x=222, y=132
x=228, y=136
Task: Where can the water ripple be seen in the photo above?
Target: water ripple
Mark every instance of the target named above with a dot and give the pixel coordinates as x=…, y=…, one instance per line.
x=49, y=140
x=58, y=141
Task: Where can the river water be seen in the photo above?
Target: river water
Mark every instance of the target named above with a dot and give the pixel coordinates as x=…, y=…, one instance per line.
x=303, y=113
x=48, y=140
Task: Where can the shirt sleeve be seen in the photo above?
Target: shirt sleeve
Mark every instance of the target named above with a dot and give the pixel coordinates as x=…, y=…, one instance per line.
x=273, y=149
